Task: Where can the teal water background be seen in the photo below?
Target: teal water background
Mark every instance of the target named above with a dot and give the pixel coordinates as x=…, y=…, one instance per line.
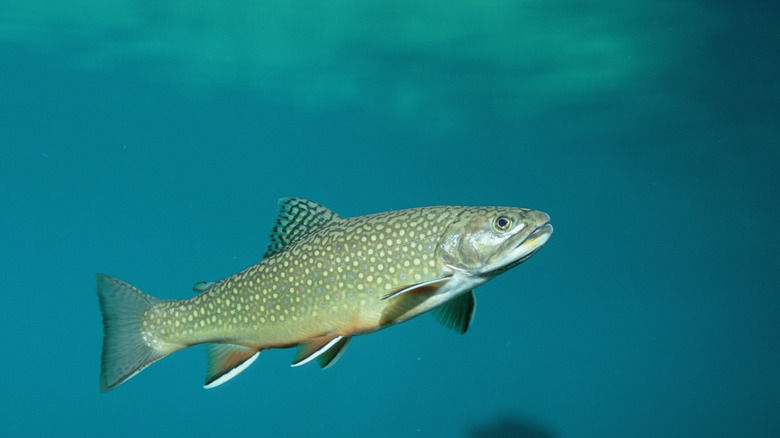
x=151, y=141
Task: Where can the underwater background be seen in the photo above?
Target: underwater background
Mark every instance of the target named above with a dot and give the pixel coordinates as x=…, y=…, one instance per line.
x=151, y=140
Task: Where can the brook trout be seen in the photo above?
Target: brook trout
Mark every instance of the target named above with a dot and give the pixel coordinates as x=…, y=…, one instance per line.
x=323, y=280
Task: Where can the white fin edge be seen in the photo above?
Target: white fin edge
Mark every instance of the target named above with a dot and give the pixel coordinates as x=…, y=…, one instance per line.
x=338, y=354
x=314, y=355
x=232, y=373
x=415, y=286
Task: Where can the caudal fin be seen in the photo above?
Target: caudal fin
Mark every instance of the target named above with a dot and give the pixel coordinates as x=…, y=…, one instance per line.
x=125, y=353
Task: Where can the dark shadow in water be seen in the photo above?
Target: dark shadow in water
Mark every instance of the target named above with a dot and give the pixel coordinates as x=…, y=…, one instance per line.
x=509, y=426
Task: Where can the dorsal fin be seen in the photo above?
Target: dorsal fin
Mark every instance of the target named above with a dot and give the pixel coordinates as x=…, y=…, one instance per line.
x=296, y=218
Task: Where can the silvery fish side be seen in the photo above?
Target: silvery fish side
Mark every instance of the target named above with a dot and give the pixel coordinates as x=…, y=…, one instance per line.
x=323, y=280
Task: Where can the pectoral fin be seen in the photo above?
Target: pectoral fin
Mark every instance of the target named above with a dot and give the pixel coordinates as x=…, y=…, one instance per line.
x=424, y=287
x=404, y=299
x=457, y=313
x=226, y=361
x=327, y=349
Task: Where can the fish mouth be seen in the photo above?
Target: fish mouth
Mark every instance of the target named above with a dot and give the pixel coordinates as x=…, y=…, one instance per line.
x=532, y=243
x=521, y=251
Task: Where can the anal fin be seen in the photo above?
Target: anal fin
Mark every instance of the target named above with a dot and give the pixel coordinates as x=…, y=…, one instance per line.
x=457, y=313
x=327, y=349
x=226, y=361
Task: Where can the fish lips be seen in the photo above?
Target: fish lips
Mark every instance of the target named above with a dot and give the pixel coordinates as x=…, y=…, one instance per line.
x=522, y=248
x=533, y=242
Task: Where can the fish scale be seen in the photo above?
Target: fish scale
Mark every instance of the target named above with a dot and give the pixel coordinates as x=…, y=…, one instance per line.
x=324, y=279
x=309, y=288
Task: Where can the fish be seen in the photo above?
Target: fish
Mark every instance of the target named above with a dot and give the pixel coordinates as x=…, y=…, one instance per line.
x=323, y=280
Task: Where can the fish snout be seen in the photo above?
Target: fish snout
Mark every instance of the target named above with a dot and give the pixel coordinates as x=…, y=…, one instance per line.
x=536, y=219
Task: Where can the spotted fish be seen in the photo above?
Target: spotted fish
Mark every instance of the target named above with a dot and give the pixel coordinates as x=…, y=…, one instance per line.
x=323, y=280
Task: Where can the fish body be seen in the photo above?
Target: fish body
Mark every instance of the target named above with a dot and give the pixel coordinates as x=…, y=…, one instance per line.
x=323, y=280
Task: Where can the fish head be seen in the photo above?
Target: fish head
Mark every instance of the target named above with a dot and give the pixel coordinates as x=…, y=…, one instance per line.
x=484, y=242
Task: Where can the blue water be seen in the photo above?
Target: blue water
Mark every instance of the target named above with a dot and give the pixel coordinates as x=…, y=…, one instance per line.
x=151, y=142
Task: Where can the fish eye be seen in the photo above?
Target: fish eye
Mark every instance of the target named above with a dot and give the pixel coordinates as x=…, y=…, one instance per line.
x=502, y=223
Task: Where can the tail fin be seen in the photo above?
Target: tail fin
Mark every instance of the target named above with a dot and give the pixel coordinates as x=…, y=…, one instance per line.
x=125, y=353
